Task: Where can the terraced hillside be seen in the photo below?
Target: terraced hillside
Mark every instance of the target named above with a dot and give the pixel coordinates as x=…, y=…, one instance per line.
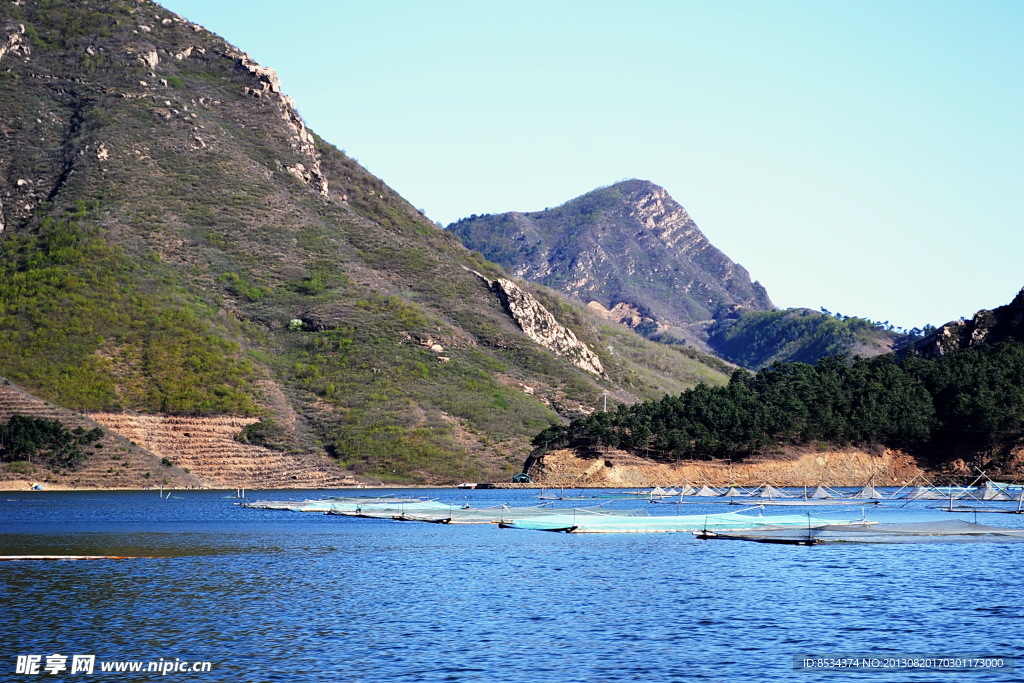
x=205, y=446
x=114, y=462
x=141, y=451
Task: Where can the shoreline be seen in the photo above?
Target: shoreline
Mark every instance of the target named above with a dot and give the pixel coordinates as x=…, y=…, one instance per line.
x=6, y=488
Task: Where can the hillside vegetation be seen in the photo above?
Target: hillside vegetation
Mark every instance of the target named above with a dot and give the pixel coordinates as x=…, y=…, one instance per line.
x=756, y=339
x=176, y=241
x=47, y=442
x=970, y=402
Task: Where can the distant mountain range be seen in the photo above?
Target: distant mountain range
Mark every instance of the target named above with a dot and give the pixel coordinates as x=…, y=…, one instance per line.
x=633, y=255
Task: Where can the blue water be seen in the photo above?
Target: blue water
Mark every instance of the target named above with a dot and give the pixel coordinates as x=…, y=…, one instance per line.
x=282, y=596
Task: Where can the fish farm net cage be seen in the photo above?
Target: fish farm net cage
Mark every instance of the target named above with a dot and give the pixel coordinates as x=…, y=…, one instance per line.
x=944, y=531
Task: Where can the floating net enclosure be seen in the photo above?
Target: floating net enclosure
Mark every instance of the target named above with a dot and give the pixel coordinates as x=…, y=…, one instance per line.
x=990, y=492
x=706, y=491
x=924, y=493
x=820, y=493
x=770, y=492
x=868, y=493
x=590, y=521
x=942, y=531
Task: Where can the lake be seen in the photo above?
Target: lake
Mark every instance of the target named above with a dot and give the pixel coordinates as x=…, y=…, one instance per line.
x=283, y=596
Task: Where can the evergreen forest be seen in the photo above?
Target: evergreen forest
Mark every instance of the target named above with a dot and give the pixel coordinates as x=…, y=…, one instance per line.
x=972, y=399
x=47, y=442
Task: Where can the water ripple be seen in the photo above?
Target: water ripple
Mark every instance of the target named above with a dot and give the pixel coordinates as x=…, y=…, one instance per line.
x=294, y=597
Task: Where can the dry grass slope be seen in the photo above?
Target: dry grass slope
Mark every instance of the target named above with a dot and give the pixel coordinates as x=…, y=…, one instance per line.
x=206, y=447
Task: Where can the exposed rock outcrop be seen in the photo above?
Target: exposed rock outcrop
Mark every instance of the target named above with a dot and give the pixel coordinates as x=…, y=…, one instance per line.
x=268, y=85
x=14, y=42
x=986, y=327
x=623, y=313
x=538, y=324
x=150, y=58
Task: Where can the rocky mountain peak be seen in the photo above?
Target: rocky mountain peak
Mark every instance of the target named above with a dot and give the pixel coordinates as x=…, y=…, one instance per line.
x=629, y=245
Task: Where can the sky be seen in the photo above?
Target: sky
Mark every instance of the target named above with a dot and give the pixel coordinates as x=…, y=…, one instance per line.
x=863, y=156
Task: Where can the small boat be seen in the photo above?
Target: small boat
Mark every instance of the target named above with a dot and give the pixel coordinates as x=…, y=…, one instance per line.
x=466, y=485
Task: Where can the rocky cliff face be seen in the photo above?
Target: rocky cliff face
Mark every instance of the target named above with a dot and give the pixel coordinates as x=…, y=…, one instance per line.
x=986, y=327
x=629, y=245
x=538, y=324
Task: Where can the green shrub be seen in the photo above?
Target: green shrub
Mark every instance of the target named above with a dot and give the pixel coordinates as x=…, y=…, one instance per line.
x=47, y=442
x=20, y=467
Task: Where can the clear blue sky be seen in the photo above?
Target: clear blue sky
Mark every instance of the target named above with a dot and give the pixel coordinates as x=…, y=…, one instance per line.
x=866, y=156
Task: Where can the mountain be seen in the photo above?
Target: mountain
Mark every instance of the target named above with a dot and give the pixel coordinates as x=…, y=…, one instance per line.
x=176, y=243
x=629, y=250
x=634, y=256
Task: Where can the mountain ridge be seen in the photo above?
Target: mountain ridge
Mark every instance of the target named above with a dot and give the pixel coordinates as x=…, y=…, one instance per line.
x=987, y=326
